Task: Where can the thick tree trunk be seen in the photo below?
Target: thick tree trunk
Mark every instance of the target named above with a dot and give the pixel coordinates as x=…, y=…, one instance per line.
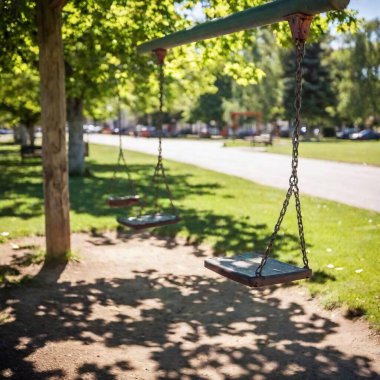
x=53, y=117
x=76, y=143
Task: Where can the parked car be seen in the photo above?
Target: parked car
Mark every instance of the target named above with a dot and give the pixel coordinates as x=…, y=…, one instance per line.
x=107, y=130
x=148, y=131
x=367, y=134
x=123, y=131
x=243, y=133
x=284, y=131
x=345, y=133
x=4, y=131
x=185, y=131
x=90, y=128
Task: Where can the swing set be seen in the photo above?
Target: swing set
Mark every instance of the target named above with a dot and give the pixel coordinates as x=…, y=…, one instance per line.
x=121, y=165
x=157, y=216
x=251, y=269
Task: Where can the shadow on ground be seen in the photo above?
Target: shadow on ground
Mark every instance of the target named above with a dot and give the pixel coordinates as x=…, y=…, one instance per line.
x=21, y=185
x=180, y=320
x=20, y=182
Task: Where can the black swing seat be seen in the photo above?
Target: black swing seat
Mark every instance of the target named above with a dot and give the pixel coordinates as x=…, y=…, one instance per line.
x=242, y=268
x=123, y=201
x=148, y=220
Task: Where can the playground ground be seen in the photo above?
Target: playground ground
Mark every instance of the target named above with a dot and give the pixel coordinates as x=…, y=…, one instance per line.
x=143, y=307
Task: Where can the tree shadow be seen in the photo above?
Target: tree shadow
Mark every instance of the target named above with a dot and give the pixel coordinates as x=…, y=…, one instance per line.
x=230, y=235
x=89, y=195
x=22, y=186
x=320, y=277
x=189, y=326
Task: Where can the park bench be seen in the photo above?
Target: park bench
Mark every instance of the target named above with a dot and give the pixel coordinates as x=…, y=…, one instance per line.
x=30, y=151
x=265, y=139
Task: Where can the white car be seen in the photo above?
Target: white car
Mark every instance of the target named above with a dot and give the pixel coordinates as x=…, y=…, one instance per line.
x=90, y=128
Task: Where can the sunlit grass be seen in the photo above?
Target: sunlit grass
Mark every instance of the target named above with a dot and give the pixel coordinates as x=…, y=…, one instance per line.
x=360, y=152
x=231, y=215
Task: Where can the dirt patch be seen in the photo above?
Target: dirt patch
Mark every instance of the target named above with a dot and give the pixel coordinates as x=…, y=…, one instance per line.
x=139, y=307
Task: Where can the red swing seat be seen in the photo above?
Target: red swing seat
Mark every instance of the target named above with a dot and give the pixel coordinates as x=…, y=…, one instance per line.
x=126, y=201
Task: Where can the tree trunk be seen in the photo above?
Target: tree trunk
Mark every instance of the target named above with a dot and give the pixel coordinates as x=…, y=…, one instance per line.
x=53, y=118
x=31, y=134
x=76, y=144
x=23, y=135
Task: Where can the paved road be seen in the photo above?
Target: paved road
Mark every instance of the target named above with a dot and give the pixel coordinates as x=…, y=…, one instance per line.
x=355, y=185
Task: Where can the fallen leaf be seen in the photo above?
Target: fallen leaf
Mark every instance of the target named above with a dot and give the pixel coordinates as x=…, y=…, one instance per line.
x=15, y=246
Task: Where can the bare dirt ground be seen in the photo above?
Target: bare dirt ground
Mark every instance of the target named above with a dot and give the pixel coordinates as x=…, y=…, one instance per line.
x=140, y=307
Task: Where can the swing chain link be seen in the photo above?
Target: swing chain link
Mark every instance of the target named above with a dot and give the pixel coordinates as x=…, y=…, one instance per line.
x=121, y=161
x=300, y=54
x=159, y=169
x=293, y=180
x=160, y=110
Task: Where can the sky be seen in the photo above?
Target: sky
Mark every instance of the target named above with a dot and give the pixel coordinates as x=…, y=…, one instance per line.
x=368, y=9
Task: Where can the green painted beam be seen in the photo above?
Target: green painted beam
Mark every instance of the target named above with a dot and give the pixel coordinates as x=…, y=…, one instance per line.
x=266, y=14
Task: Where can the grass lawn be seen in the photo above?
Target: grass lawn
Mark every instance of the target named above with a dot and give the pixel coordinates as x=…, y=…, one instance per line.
x=360, y=152
x=230, y=214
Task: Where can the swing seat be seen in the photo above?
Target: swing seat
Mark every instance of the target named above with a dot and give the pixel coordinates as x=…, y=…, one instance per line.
x=242, y=269
x=123, y=201
x=148, y=221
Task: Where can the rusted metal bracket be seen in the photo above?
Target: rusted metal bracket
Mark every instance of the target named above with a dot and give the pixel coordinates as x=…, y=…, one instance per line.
x=299, y=25
x=160, y=55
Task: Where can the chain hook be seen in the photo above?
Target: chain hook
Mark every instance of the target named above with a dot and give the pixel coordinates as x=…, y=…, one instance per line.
x=160, y=55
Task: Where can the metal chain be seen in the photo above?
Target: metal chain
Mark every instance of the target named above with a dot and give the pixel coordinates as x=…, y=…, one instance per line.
x=121, y=161
x=293, y=180
x=159, y=169
x=300, y=54
x=300, y=227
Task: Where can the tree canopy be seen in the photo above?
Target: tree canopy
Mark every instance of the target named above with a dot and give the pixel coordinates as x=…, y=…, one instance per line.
x=100, y=39
x=356, y=70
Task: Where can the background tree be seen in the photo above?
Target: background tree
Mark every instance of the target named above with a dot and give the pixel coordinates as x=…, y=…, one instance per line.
x=19, y=97
x=209, y=106
x=318, y=93
x=30, y=34
x=357, y=76
x=53, y=120
x=98, y=54
x=265, y=94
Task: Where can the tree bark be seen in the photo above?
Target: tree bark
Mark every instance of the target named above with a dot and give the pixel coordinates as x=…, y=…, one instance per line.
x=23, y=133
x=53, y=117
x=31, y=134
x=76, y=143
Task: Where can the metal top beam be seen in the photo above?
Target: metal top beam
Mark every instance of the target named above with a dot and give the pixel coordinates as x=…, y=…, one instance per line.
x=265, y=14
